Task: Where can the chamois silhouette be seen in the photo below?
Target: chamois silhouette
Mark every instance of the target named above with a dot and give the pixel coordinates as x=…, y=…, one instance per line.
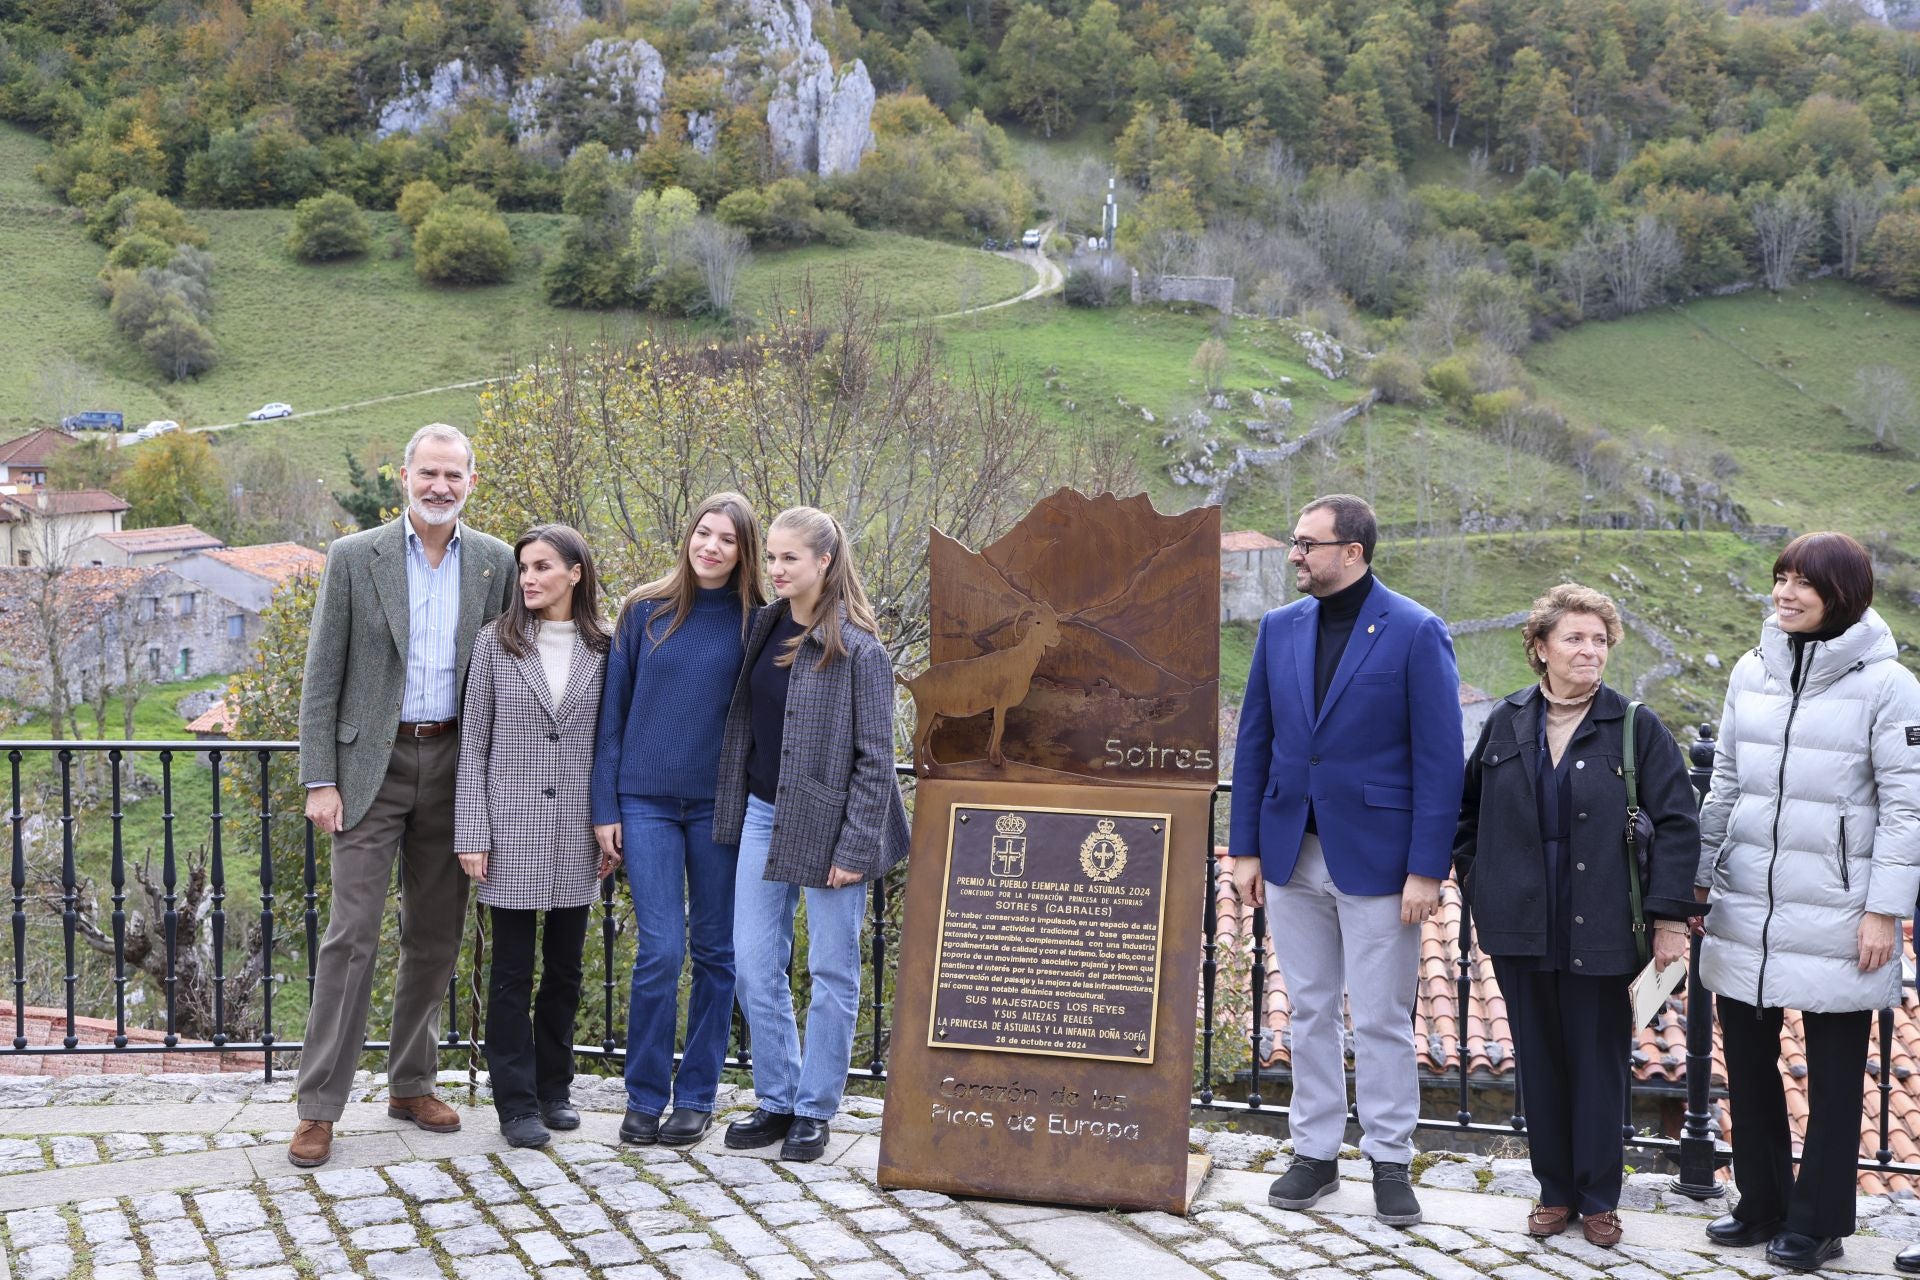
x=996, y=682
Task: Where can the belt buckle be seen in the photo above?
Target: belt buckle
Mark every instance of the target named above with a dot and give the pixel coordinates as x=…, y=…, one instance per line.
x=420, y=725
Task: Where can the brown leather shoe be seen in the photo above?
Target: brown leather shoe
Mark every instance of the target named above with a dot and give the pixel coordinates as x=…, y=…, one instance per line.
x=426, y=1111
x=1548, y=1219
x=312, y=1144
x=1603, y=1229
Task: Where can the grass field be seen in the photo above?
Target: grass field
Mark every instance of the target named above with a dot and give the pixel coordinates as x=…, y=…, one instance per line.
x=318, y=336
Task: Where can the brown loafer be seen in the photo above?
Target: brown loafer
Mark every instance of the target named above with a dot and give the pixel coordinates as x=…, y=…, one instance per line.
x=426, y=1111
x=1603, y=1229
x=1548, y=1219
x=312, y=1144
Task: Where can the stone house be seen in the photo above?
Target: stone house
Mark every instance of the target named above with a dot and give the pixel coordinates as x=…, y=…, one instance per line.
x=39, y=527
x=25, y=460
x=1254, y=575
x=249, y=576
x=166, y=626
x=143, y=548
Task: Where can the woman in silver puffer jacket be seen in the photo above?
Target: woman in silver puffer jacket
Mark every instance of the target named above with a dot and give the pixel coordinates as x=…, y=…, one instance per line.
x=1810, y=850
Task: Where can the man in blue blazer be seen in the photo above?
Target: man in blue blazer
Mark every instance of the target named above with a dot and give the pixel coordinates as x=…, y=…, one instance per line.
x=1346, y=793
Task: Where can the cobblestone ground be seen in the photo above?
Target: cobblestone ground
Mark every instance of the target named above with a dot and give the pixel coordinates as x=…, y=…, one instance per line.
x=185, y=1178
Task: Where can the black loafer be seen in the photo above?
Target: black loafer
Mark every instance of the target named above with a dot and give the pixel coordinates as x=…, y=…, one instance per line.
x=1908, y=1260
x=1796, y=1252
x=761, y=1129
x=683, y=1128
x=559, y=1115
x=1735, y=1234
x=525, y=1131
x=806, y=1140
x=640, y=1129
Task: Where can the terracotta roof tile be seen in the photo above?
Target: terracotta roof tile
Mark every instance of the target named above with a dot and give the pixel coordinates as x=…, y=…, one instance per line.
x=1249, y=540
x=1440, y=1028
x=83, y=597
x=277, y=561
x=34, y=449
x=213, y=720
x=15, y=507
x=166, y=537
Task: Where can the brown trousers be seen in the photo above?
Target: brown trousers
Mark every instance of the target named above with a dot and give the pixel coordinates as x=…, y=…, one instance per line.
x=412, y=817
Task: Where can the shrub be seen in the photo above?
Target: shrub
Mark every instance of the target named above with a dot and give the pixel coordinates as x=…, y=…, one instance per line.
x=583, y=274
x=745, y=210
x=105, y=220
x=1451, y=380
x=137, y=250
x=326, y=227
x=416, y=201
x=177, y=343
x=1087, y=286
x=833, y=227
x=1397, y=378
x=460, y=245
x=677, y=291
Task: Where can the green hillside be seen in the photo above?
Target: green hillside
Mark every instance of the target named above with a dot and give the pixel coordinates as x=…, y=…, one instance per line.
x=362, y=330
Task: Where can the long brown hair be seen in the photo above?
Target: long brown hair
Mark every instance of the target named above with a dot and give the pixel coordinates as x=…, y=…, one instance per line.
x=840, y=590
x=678, y=588
x=518, y=627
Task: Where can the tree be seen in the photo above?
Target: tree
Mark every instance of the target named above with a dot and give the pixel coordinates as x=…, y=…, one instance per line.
x=1036, y=62
x=417, y=200
x=831, y=405
x=1786, y=226
x=934, y=69
x=1883, y=404
x=1638, y=258
x=1161, y=231
x=326, y=227
x=1856, y=212
x=179, y=345
x=1893, y=255
x=370, y=496
x=460, y=245
x=175, y=479
x=1211, y=362
x=718, y=252
x=1103, y=55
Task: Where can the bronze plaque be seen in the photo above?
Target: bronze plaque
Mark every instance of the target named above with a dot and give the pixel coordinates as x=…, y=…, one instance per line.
x=1050, y=932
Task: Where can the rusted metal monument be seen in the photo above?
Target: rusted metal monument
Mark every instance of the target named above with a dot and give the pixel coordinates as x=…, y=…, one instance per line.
x=1067, y=749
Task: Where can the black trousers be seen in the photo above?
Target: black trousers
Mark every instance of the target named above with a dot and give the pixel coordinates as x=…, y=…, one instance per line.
x=1570, y=1033
x=529, y=1039
x=1820, y=1202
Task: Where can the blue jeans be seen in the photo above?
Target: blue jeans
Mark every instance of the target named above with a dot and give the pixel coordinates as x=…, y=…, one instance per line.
x=682, y=885
x=788, y=1081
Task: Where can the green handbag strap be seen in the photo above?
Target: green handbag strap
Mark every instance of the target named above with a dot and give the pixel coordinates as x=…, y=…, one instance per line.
x=1641, y=942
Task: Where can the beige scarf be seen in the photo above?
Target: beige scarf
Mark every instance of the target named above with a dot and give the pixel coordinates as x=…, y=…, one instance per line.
x=1563, y=717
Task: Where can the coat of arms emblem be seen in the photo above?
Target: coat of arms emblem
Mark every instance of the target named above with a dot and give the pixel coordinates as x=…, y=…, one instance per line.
x=1103, y=854
x=1009, y=847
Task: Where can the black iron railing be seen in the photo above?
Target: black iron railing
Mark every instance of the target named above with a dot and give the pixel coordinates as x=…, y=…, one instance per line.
x=1695, y=1152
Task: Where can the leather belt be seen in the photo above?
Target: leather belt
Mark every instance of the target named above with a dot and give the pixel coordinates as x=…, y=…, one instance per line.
x=426, y=728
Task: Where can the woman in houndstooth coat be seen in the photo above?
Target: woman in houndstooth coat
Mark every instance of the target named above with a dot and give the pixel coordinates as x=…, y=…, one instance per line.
x=523, y=822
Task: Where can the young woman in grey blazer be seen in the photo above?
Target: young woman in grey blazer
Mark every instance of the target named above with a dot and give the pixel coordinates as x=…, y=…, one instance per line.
x=806, y=788
x=523, y=825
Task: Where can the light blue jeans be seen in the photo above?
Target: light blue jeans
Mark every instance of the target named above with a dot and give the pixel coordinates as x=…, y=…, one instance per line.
x=788, y=1080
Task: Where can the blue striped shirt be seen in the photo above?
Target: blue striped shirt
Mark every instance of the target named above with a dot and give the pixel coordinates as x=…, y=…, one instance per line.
x=433, y=621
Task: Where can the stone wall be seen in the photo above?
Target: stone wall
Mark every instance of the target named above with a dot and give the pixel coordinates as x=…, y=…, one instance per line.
x=1252, y=582
x=1210, y=291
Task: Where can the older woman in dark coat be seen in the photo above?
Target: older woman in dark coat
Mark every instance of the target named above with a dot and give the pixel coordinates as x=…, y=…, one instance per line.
x=1541, y=859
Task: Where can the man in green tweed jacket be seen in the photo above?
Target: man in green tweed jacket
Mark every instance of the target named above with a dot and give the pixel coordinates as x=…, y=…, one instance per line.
x=379, y=749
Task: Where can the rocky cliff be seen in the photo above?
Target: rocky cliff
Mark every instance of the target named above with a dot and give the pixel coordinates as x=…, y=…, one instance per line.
x=819, y=120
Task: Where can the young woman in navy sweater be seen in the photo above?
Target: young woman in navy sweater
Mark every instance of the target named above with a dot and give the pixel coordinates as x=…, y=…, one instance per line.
x=676, y=656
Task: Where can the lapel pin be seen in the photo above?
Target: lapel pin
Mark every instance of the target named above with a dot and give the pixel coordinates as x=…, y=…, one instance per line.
x=1370, y=628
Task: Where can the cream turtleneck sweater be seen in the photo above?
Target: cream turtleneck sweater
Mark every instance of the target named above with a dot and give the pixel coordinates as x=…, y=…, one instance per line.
x=1563, y=717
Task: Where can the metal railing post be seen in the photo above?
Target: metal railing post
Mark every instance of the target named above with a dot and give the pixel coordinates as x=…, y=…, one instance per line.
x=1698, y=1158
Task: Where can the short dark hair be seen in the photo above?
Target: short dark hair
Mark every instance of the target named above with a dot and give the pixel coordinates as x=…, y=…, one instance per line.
x=1353, y=520
x=1839, y=570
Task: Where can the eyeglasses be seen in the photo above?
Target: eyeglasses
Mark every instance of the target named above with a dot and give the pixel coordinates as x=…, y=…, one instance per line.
x=1305, y=546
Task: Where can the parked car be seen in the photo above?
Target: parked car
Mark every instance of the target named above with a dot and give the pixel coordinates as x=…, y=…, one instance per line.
x=277, y=409
x=1031, y=240
x=158, y=427
x=94, y=420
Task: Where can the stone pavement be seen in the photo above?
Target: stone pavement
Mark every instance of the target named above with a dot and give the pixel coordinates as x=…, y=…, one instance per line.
x=186, y=1178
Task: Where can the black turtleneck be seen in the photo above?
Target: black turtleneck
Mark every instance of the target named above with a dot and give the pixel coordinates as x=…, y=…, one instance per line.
x=1337, y=615
x=1799, y=640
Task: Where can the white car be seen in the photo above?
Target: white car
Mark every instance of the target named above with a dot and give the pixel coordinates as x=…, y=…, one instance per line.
x=1031, y=240
x=277, y=409
x=158, y=427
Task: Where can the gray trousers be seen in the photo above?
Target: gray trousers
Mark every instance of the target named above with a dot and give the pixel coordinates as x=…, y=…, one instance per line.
x=411, y=817
x=1331, y=944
